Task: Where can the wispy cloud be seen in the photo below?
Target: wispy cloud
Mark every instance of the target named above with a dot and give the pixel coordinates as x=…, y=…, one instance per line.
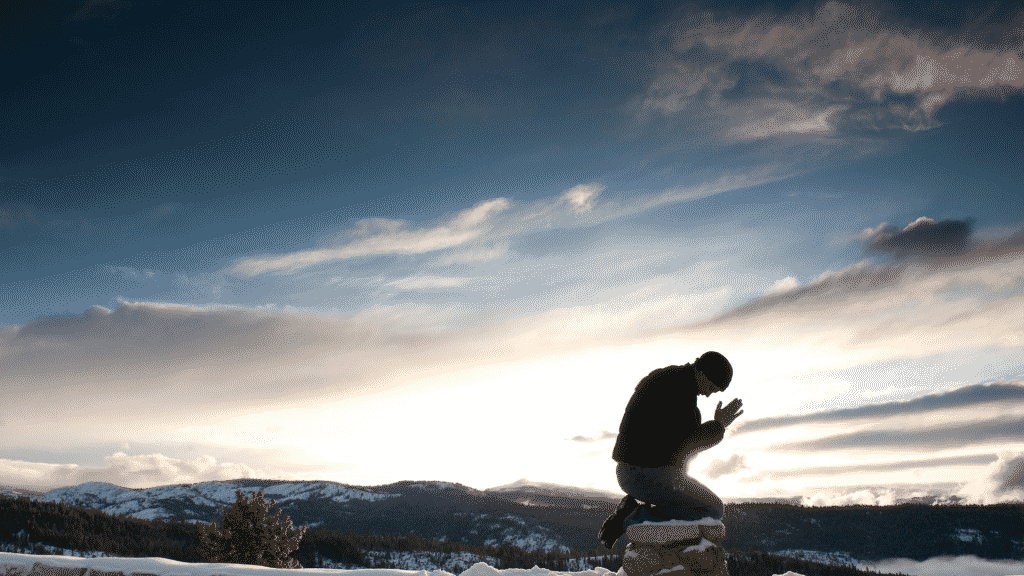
x=838, y=68
x=904, y=463
x=428, y=282
x=993, y=396
x=1002, y=429
x=474, y=254
x=937, y=262
x=482, y=233
x=377, y=236
x=141, y=471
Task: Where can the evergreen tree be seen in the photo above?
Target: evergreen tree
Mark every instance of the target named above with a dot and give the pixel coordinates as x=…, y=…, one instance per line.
x=252, y=532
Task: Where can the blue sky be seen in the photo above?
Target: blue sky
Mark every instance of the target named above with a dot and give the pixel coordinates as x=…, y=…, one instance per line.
x=445, y=240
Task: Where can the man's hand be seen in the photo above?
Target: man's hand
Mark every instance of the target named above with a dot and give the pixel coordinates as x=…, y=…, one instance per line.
x=729, y=413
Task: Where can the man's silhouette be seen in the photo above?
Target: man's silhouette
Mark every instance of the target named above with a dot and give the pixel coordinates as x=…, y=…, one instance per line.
x=660, y=431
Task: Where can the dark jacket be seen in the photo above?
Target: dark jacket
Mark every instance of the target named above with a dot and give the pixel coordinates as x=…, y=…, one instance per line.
x=662, y=426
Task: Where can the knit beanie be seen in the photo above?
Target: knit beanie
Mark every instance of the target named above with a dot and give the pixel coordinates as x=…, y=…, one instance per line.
x=716, y=368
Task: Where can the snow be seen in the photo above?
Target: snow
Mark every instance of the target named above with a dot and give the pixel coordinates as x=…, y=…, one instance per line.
x=701, y=546
x=833, y=558
x=435, y=485
x=968, y=535
x=23, y=564
x=149, y=503
x=705, y=521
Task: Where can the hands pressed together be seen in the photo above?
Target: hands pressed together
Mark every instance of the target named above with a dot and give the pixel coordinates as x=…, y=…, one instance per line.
x=732, y=411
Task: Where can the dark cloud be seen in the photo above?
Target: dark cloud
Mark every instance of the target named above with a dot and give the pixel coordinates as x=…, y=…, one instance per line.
x=924, y=248
x=974, y=460
x=966, y=398
x=719, y=468
x=603, y=435
x=937, y=437
x=1008, y=475
x=923, y=237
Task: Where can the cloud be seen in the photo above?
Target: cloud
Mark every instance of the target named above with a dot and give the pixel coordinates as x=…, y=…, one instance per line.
x=166, y=365
x=1005, y=393
x=946, y=566
x=855, y=467
x=872, y=497
x=1003, y=481
x=481, y=233
x=840, y=68
x=1003, y=429
x=928, y=288
x=1008, y=473
x=377, y=236
x=719, y=468
x=141, y=471
x=922, y=237
x=477, y=254
x=784, y=285
x=563, y=212
x=428, y=282
x=582, y=197
x=601, y=436
x=221, y=353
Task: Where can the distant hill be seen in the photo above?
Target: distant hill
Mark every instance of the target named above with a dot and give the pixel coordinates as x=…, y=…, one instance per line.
x=549, y=517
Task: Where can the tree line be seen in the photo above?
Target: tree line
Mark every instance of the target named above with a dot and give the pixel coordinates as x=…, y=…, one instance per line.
x=864, y=532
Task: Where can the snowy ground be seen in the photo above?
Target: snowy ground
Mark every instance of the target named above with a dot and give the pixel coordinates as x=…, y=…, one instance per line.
x=22, y=565
x=12, y=564
x=938, y=566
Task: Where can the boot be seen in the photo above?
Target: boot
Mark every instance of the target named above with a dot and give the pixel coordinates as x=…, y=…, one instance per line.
x=614, y=525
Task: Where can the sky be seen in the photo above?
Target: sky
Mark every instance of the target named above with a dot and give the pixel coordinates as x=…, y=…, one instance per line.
x=444, y=241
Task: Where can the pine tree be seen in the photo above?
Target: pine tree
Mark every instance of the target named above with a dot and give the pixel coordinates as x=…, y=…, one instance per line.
x=252, y=532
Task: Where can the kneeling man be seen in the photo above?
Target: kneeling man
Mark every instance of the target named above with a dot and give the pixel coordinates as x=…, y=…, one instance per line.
x=660, y=431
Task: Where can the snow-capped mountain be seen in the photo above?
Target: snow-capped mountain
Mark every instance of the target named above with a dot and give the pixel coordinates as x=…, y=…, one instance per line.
x=15, y=492
x=196, y=501
x=528, y=517
x=527, y=486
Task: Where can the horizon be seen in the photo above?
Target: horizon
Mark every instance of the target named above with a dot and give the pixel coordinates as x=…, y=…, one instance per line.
x=567, y=490
x=366, y=243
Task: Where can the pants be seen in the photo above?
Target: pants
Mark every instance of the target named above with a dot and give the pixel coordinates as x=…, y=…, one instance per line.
x=671, y=490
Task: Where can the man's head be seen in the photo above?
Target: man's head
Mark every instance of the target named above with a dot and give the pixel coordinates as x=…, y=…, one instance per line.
x=714, y=373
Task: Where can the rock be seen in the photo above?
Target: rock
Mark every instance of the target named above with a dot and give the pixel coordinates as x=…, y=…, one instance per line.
x=14, y=571
x=100, y=572
x=675, y=548
x=40, y=569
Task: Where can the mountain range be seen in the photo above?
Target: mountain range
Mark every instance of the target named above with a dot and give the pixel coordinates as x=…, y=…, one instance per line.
x=551, y=517
x=530, y=516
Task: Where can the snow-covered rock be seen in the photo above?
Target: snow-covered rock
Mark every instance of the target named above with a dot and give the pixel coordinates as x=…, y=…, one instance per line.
x=675, y=548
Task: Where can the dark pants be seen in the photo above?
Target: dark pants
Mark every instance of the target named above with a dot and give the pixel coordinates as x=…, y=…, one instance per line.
x=672, y=492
